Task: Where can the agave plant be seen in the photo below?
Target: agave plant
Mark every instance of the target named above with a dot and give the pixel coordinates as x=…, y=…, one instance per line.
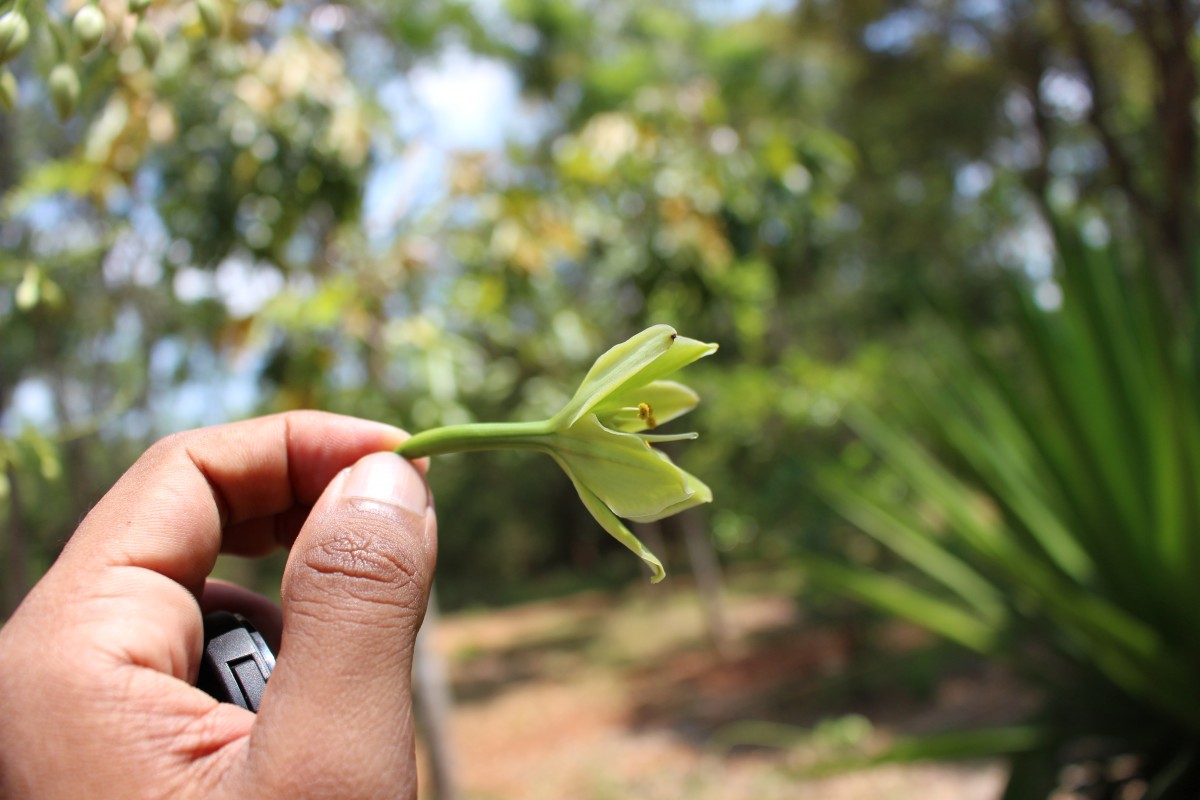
x=1052, y=515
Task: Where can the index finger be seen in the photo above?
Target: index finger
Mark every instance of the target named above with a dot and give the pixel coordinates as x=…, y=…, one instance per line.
x=169, y=511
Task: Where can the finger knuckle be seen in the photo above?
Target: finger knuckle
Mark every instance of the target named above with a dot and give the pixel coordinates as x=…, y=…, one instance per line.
x=166, y=451
x=170, y=443
x=307, y=416
x=360, y=562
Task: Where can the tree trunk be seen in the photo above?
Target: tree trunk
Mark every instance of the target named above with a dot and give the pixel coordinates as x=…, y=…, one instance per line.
x=1166, y=29
x=1176, y=115
x=706, y=570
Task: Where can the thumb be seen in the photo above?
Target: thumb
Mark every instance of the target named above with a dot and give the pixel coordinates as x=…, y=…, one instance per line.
x=337, y=713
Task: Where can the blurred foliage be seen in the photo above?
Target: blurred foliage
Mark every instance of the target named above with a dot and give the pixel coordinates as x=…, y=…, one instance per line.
x=1051, y=517
x=282, y=216
x=799, y=185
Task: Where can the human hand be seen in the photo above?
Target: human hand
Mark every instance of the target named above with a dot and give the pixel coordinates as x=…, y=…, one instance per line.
x=98, y=663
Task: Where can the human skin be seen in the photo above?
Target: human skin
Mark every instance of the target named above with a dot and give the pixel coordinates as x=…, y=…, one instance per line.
x=97, y=665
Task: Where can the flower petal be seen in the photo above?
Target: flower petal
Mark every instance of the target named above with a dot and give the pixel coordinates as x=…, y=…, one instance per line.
x=632, y=478
x=666, y=400
x=608, y=520
x=698, y=494
x=683, y=351
x=614, y=369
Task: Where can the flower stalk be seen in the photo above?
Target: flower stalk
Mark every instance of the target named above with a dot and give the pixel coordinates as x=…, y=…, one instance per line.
x=473, y=437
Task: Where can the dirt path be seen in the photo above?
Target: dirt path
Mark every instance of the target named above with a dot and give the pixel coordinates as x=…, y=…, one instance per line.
x=598, y=697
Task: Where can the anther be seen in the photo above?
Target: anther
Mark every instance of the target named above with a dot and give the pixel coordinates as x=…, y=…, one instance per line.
x=646, y=414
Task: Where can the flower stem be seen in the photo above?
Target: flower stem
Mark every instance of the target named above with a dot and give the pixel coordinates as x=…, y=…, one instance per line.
x=477, y=436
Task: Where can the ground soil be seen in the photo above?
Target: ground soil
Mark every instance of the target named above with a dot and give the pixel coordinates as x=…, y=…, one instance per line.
x=613, y=696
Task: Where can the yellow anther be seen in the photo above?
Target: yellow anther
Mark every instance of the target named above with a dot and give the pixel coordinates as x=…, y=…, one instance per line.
x=646, y=414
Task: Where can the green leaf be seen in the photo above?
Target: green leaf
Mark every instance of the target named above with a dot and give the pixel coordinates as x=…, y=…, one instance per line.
x=985, y=743
x=895, y=527
x=895, y=596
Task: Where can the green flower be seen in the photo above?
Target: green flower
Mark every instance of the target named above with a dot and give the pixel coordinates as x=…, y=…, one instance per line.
x=89, y=25
x=147, y=41
x=8, y=90
x=600, y=437
x=64, y=90
x=211, y=15
x=14, y=33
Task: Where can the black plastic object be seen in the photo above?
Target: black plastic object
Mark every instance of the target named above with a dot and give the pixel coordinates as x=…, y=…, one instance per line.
x=236, y=662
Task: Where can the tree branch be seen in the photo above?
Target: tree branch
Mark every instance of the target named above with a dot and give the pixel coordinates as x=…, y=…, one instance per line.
x=1099, y=116
x=1167, y=223
x=1177, y=82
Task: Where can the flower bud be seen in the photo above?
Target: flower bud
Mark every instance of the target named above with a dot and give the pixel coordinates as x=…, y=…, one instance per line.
x=88, y=26
x=8, y=90
x=147, y=41
x=211, y=16
x=64, y=90
x=14, y=33
x=29, y=289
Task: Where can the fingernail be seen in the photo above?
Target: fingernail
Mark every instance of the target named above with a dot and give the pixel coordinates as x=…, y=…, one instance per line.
x=387, y=478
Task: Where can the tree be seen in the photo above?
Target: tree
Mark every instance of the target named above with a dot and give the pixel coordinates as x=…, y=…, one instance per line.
x=796, y=185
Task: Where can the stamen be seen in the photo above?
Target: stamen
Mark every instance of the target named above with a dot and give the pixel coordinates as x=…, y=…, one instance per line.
x=646, y=414
x=650, y=438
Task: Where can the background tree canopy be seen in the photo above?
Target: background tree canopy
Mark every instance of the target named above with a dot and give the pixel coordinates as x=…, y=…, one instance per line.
x=429, y=212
